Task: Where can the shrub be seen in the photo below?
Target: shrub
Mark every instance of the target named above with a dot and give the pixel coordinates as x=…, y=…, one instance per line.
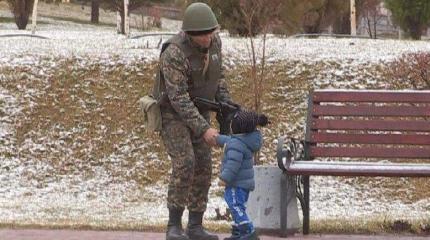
x=411, y=70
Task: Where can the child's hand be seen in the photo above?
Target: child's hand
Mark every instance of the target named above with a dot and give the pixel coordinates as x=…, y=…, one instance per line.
x=221, y=182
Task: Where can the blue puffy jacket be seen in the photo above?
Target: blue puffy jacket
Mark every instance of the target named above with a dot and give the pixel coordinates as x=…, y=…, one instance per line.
x=237, y=168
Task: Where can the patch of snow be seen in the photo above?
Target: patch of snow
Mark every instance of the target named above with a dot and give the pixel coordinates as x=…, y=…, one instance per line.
x=26, y=197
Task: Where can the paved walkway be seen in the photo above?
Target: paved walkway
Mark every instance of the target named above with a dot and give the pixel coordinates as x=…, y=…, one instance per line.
x=29, y=234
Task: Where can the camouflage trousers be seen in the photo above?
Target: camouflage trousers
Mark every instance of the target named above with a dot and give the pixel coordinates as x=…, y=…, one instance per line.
x=191, y=167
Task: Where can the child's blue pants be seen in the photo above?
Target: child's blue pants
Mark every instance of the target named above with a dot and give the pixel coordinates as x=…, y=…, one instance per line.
x=236, y=199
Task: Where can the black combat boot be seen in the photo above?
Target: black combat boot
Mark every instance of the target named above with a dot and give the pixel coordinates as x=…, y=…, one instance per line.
x=174, y=226
x=195, y=230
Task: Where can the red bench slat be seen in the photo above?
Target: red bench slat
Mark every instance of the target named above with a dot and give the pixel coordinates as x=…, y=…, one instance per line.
x=370, y=152
x=372, y=96
x=386, y=111
x=404, y=139
x=399, y=125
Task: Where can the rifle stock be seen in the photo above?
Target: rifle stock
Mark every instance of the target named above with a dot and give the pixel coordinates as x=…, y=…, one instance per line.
x=225, y=112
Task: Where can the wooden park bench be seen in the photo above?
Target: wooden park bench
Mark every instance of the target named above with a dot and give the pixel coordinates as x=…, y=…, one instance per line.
x=348, y=133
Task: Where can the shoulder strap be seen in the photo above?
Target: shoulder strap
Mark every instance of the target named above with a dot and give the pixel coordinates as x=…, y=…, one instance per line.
x=159, y=85
x=178, y=40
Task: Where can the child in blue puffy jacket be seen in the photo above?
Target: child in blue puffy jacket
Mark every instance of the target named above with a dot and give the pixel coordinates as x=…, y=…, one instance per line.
x=237, y=169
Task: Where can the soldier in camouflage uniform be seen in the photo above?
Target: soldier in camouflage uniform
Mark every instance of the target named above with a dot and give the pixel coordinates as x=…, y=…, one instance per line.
x=190, y=66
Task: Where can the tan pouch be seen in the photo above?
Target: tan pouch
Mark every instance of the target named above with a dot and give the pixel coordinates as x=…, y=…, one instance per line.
x=151, y=113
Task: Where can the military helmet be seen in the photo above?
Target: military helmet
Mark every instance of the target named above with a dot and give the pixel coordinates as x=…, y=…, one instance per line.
x=199, y=17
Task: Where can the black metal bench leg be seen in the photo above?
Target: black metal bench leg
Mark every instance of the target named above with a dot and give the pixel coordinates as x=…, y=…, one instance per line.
x=306, y=209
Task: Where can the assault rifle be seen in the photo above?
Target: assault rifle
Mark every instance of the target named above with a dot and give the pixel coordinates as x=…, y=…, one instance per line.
x=225, y=112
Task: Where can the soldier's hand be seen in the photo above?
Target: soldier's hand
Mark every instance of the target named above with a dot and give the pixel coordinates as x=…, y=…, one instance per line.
x=221, y=183
x=210, y=136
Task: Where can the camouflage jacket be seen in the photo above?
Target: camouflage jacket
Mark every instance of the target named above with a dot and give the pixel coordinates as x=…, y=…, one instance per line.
x=176, y=70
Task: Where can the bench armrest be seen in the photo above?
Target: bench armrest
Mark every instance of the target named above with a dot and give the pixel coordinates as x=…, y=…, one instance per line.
x=288, y=151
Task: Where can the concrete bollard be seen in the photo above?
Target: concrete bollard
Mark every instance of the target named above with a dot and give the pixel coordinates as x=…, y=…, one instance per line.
x=264, y=204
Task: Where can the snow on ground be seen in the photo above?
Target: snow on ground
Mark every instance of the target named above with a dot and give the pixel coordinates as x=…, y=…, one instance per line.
x=102, y=198
x=352, y=51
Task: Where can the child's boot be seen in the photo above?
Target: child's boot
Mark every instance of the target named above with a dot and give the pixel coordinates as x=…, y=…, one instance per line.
x=250, y=236
x=235, y=233
x=247, y=232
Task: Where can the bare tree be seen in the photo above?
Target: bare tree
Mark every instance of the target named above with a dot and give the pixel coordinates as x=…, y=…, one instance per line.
x=118, y=6
x=267, y=11
x=371, y=12
x=21, y=10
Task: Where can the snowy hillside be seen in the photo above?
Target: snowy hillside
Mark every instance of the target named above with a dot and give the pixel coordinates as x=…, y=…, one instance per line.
x=73, y=150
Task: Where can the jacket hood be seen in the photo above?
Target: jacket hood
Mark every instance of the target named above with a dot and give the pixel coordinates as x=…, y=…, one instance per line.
x=253, y=140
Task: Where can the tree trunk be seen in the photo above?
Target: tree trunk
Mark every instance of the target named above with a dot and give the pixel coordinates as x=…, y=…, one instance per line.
x=21, y=21
x=342, y=25
x=95, y=6
x=122, y=21
x=126, y=18
x=21, y=12
x=375, y=21
x=369, y=27
x=34, y=17
x=353, y=19
x=415, y=31
x=312, y=22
